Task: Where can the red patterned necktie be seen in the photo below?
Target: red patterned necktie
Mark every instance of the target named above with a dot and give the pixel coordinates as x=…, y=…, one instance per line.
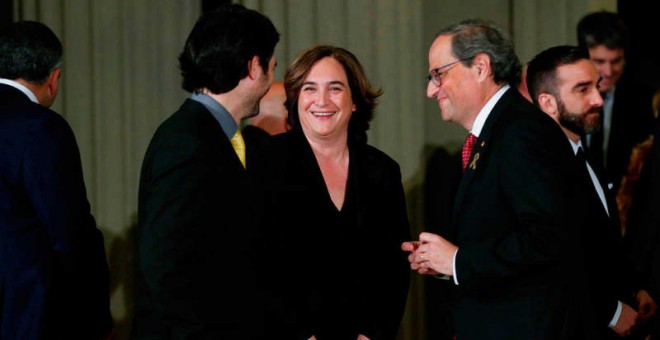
x=467, y=149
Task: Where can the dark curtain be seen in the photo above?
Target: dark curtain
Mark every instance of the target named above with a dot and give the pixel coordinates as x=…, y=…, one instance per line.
x=6, y=12
x=208, y=5
x=642, y=22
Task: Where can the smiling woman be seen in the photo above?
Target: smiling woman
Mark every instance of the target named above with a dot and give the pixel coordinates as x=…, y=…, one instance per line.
x=338, y=206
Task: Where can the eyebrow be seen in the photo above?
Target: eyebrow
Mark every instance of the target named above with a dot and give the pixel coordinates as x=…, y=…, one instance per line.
x=332, y=82
x=582, y=84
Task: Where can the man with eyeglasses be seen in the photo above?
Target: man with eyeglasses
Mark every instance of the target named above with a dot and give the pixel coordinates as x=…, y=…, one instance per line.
x=509, y=252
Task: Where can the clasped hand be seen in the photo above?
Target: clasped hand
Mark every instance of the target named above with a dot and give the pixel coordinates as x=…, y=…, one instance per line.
x=432, y=254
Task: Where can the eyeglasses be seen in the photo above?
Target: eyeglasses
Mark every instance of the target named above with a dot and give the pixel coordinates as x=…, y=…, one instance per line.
x=436, y=77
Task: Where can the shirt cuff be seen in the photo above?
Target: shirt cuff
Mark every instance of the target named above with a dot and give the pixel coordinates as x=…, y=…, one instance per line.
x=617, y=314
x=454, y=268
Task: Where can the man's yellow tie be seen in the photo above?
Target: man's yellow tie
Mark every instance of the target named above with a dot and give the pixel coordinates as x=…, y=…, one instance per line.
x=239, y=146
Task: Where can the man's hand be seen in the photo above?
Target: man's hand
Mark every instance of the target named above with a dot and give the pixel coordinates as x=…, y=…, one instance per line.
x=646, y=307
x=432, y=255
x=362, y=337
x=312, y=338
x=627, y=321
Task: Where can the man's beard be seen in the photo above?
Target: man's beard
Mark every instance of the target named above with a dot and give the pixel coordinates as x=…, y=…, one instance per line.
x=255, y=109
x=254, y=112
x=580, y=123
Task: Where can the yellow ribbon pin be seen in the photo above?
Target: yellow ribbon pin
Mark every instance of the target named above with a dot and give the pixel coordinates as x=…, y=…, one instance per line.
x=473, y=165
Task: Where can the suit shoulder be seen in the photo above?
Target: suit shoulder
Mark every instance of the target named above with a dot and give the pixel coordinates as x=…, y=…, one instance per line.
x=523, y=128
x=32, y=115
x=190, y=125
x=43, y=126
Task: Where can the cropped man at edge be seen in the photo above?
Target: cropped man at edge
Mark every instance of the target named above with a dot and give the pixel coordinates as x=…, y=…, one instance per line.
x=564, y=84
x=53, y=269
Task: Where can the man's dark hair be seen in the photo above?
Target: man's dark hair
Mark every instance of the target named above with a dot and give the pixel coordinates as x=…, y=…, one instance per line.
x=542, y=70
x=473, y=36
x=602, y=28
x=220, y=46
x=29, y=50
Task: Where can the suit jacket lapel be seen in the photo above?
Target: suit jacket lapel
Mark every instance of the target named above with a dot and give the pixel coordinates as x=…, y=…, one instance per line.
x=481, y=149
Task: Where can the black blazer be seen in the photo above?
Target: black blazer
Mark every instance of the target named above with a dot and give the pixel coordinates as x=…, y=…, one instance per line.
x=53, y=269
x=608, y=271
x=199, y=218
x=513, y=229
x=341, y=278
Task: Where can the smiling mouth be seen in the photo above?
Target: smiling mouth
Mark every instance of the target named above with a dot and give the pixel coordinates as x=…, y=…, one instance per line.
x=323, y=114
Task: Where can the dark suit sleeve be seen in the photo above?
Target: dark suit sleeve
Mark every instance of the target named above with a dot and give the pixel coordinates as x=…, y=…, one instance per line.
x=387, y=288
x=528, y=161
x=173, y=192
x=54, y=182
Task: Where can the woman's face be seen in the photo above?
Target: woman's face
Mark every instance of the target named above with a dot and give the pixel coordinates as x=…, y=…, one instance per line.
x=325, y=104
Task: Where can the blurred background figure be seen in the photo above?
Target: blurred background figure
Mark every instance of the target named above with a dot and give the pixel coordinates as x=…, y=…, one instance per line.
x=638, y=200
x=623, y=145
x=272, y=117
x=271, y=120
x=627, y=117
x=522, y=86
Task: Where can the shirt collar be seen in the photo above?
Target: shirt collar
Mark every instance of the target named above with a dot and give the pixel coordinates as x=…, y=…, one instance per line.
x=219, y=112
x=21, y=88
x=609, y=94
x=576, y=146
x=485, y=111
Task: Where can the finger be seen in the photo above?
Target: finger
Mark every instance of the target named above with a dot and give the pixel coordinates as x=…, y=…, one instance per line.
x=428, y=237
x=411, y=258
x=427, y=271
x=406, y=246
x=421, y=257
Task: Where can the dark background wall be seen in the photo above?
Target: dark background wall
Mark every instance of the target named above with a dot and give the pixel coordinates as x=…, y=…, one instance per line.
x=6, y=12
x=642, y=21
x=208, y=5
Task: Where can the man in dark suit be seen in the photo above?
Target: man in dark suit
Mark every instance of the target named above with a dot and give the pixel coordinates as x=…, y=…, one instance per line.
x=509, y=252
x=627, y=111
x=564, y=84
x=199, y=210
x=53, y=269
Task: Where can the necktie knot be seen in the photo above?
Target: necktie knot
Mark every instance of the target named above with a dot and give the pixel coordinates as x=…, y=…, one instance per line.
x=238, y=144
x=470, y=141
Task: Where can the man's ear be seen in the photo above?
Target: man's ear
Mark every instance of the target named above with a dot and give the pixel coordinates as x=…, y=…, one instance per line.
x=53, y=82
x=254, y=68
x=481, y=64
x=548, y=104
